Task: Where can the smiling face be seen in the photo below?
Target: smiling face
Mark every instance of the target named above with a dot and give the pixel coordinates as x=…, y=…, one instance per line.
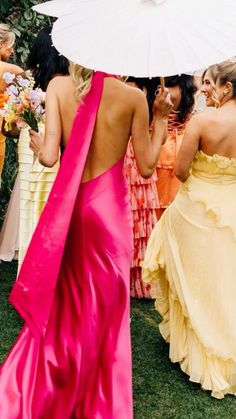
x=207, y=89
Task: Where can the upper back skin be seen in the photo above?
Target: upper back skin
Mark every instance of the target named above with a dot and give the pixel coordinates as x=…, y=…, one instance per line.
x=218, y=131
x=112, y=129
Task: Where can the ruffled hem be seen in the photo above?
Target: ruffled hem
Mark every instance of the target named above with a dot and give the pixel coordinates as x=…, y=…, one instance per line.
x=143, y=223
x=144, y=196
x=203, y=364
x=213, y=373
x=139, y=250
x=223, y=216
x=131, y=170
x=138, y=289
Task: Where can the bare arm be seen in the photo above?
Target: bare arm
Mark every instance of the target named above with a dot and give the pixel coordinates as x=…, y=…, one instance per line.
x=8, y=68
x=47, y=147
x=12, y=68
x=188, y=148
x=147, y=147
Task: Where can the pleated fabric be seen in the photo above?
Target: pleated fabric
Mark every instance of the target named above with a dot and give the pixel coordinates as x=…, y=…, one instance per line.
x=35, y=185
x=144, y=203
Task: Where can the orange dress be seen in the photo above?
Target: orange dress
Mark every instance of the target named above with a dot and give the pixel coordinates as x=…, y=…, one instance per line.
x=167, y=183
x=2, y=148
x=144, y=204
x=4, y=67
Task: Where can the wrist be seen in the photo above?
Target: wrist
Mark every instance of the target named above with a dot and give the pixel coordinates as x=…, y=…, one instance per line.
x=160, y=118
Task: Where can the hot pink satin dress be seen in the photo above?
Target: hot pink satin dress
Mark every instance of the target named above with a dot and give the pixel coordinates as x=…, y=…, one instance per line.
x=73, y=356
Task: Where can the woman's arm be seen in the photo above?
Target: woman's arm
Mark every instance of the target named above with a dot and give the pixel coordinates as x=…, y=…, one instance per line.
x=188, y=148
x=147, y=146
x=8, y=68
x=47, y=146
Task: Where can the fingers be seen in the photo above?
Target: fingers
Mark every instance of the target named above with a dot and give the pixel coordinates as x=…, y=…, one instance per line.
x=33, y=133
x=161, y=91
x=35, y=142
x=165, y=92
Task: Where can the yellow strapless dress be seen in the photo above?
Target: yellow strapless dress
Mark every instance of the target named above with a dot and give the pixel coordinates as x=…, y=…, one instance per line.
x=190, y=264
x=35, y=184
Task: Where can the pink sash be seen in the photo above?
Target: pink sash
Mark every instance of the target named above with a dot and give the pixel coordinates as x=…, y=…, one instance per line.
x=33, y=292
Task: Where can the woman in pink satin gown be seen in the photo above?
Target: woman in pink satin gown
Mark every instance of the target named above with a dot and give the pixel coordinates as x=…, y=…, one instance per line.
x=73, y=358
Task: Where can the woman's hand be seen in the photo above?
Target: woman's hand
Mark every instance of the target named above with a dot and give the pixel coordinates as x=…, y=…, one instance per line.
x=162, y=105
x=36, y=141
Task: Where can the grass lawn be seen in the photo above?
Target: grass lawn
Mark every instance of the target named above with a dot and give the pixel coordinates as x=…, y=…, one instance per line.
x=161, y=390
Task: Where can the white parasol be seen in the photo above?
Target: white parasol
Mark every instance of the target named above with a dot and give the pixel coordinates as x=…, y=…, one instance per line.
x=54, y=8
x=146, y=38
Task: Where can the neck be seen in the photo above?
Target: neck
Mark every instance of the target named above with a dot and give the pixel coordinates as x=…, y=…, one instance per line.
x=225, y=103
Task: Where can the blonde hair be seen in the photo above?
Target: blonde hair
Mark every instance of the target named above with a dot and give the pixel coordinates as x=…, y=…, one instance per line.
x=6, y=34
x=214, y=75
x=223, y=72
x=81, y=77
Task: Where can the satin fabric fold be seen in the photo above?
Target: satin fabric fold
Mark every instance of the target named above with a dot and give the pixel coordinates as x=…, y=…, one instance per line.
x=80, y=366
x=33, y=292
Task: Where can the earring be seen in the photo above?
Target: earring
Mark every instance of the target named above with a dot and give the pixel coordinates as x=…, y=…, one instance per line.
x=225, y=92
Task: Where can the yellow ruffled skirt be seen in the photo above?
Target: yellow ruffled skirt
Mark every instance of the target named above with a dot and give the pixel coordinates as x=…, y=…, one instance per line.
x=35, y=184
x=190, y=264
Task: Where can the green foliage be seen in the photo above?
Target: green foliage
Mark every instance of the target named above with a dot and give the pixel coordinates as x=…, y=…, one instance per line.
x=24, y=22
x=8, y=175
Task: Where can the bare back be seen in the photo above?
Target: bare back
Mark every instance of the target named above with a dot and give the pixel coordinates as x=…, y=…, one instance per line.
x=123, y=113
x=218, y=131
x=212, y=132
x=112, y=129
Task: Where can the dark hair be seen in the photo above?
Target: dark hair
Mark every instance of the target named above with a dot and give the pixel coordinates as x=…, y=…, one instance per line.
x=147, y=83
x=44, y=60
x=188, y=90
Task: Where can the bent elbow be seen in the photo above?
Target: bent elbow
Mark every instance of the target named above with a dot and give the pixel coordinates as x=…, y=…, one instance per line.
x=181, y=175
x=48, y=162
x=177, y=173
x=146, y=172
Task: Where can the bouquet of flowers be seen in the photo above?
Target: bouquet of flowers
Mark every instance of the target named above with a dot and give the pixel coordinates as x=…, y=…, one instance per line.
x=21, y=102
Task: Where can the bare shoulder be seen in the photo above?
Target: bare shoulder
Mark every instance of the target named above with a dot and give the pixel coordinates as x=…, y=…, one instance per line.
x=59, y=82
x=133, y=93
x=202, y=119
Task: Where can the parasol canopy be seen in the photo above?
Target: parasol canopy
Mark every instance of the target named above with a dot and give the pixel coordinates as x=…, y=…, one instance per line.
x=144, y=38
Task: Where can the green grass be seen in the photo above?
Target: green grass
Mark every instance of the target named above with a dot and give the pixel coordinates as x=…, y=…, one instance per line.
x=161, y=390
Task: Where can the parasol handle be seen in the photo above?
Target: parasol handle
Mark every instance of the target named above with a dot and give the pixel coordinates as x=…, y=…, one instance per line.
x=162, y=81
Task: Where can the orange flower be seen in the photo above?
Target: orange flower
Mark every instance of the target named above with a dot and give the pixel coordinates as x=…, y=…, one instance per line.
x=3, y=99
